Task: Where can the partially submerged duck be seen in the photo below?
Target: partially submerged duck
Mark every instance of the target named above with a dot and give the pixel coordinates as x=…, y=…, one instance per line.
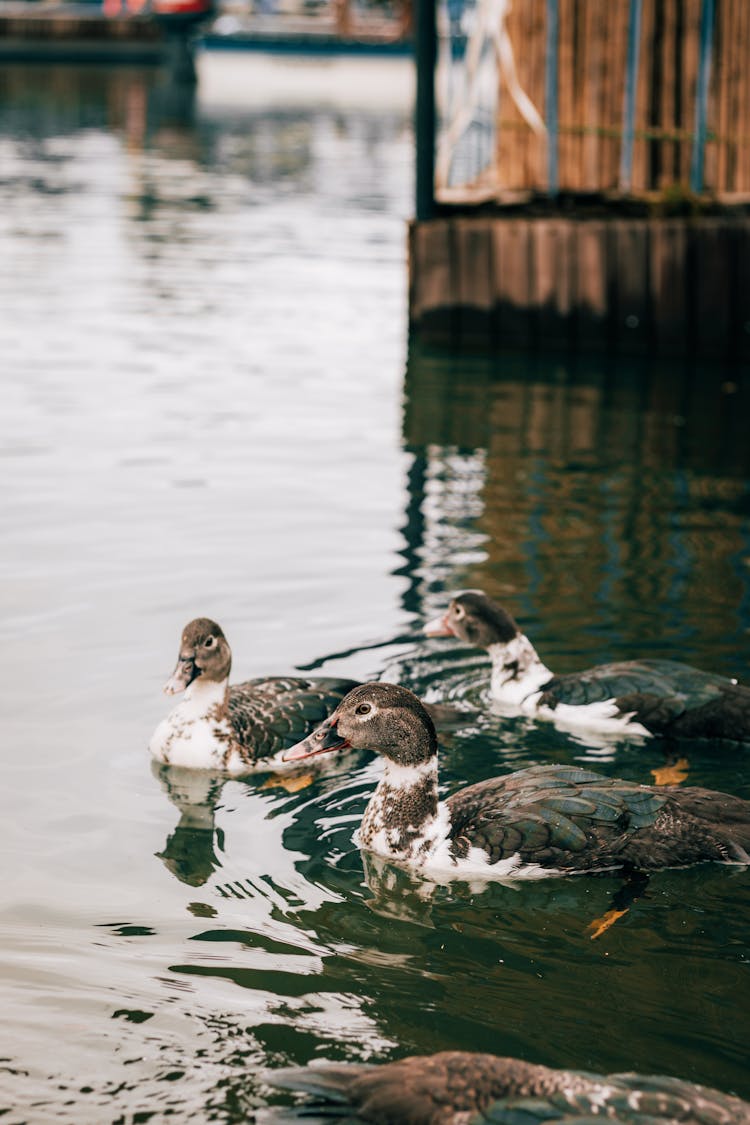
x=467, y=1088
x=631, y=697
x=546, y=820
x=236, y=728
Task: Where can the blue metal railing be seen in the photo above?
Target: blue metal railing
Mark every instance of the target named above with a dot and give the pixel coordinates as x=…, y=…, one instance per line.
x=631, y=85
x=701, y=97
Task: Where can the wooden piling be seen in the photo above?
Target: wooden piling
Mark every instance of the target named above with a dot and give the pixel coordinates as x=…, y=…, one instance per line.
x=662, y=286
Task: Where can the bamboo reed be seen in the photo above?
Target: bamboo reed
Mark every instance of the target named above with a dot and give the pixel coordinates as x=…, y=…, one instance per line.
x=591, y=59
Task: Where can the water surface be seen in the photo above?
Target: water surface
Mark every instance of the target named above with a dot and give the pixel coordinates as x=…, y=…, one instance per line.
x=210, y=408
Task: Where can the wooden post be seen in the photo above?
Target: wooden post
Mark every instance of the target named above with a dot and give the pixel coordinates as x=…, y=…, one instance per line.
x=551, y=83
x=472, y=266
x=432, y=281
x=511, y=259
x=628, y=285
x=591, y=285
x=425, y=51
x=711, y=277
x=668, y=273
x=552, y=282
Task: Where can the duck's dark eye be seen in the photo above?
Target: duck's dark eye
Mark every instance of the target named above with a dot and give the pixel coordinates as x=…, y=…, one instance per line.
x=458, y=611
x=364, y=709
x=209, y=642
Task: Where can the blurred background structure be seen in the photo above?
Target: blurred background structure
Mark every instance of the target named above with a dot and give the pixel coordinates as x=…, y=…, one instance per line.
x=147, y=30
x=584, y=175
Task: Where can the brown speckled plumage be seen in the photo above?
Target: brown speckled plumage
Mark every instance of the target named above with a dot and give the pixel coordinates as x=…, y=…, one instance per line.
x=218, y=726
x=463, y=1088
x=405, y=812
x=271, y=713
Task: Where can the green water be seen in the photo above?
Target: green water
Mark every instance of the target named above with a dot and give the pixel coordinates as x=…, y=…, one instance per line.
x=210, y=408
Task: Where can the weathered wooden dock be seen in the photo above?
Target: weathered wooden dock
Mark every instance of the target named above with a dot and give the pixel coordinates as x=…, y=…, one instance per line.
x=143, y=31
x=71, y=32
x=593, y=195
x=667, y=286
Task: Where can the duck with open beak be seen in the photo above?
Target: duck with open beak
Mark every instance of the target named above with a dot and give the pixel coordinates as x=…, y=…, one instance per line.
x=326, y=737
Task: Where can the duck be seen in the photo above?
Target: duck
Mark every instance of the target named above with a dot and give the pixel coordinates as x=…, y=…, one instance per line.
x=632, y=698
x=469, y=1088
x=536, y=822
x=238, y=728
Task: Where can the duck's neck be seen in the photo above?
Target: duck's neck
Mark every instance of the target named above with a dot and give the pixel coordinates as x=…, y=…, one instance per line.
x=517, y=670
x=206, y=698
x=404, y=820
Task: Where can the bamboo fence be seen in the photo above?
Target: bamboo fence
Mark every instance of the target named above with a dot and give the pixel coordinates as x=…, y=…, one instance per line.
x=682, y=58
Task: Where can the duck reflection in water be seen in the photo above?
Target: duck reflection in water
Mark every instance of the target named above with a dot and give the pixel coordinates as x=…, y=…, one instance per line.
x=397, y=894
x=195, y=848
x=190, y=852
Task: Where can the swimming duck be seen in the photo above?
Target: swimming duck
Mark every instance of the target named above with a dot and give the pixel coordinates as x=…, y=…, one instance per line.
x=545, y=820
x=237, y=728
x=631, y=697
x=466, y=1088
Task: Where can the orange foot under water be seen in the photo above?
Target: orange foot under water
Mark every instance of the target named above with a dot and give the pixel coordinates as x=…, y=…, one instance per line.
x=600, y=925
x=672, y=774
x=292, y=783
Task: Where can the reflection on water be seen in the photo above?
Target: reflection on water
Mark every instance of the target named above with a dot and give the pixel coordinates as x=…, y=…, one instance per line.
x=614, y=492
x=190, y=852
x=206, y=413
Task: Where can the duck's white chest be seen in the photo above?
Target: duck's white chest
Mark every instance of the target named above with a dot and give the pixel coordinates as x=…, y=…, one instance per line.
x=518, y=688
x=402, y=820
x=517, y=678
x=197, y=735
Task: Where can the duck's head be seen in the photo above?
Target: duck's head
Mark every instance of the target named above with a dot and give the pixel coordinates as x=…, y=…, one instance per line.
x=475, y=620
x=204, y=653
x=382, y=717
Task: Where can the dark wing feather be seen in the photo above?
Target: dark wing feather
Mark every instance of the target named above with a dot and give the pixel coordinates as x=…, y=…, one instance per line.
x=666, y=697
x=633, y=677
x=273, y=713
x=723, y=715
x=557, y=816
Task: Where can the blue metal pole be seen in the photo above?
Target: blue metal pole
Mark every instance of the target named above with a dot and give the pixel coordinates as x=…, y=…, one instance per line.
x=550, y=95
x=701, y=96
x=631, y=85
